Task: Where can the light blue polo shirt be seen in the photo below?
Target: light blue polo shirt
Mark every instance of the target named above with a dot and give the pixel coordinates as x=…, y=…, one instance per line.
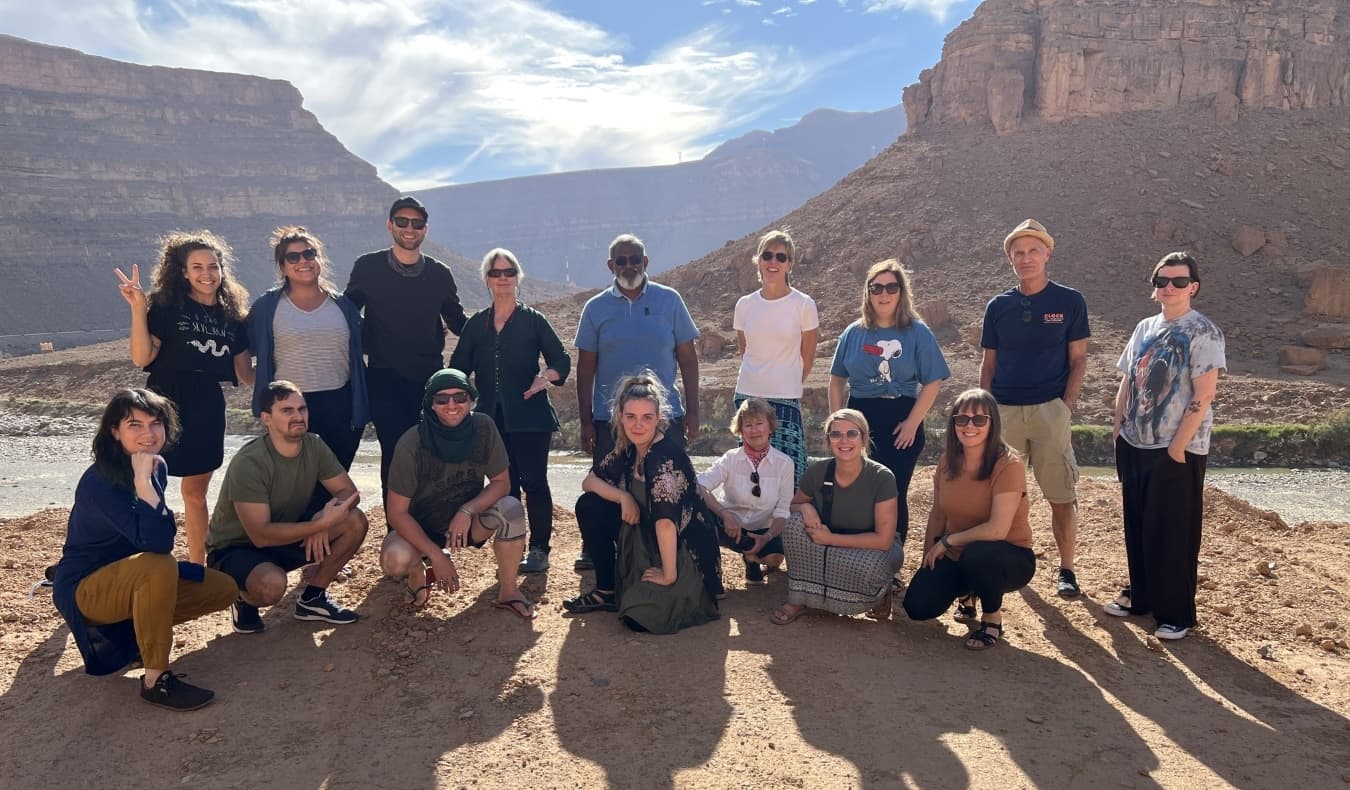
x=629, y=335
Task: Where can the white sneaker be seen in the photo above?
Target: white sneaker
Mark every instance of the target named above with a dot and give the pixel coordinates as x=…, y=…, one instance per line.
x=1171, y=632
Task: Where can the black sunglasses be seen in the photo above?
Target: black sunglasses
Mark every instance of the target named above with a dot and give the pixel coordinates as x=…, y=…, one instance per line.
x=294, y=257
x=754, y=479
x=403, y=222
x=962, y=420
x=495, y=273
x=1177, y=282
x=628, y=260
x=877, y=289
x=1026, y=310
x=444, y=398
x=781, y=257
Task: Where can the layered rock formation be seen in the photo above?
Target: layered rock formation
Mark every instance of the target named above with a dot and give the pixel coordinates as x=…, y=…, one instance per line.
x=101, y=157
x=560, y=225
x=1015, y=61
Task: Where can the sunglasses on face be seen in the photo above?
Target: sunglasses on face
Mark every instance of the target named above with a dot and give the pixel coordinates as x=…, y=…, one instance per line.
x=1161, y=282
x=294, y=257
x=628, y=260
x=403, y=222
x=851, y=433
x=962, y=420
x=495, y=273
x=754, y=481
x=444, y=398
x=877, y=289
x=781, y=257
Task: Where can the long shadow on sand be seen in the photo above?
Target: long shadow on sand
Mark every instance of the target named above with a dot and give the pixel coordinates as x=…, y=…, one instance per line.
x=642, y=707
x=302, y=705
x=905, y=704
x=1250, y=730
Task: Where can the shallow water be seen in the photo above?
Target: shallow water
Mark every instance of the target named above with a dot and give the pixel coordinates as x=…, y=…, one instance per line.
x=41, y=461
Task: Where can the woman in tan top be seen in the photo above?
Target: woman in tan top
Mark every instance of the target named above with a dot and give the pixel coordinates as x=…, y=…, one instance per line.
x=978, y=537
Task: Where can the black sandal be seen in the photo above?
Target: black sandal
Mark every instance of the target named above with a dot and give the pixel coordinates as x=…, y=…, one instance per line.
x=965, y=610
x=982, y=639
x=593, y=601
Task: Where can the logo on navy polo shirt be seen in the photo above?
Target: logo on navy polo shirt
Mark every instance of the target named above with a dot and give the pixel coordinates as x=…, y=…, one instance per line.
x=1053, y=318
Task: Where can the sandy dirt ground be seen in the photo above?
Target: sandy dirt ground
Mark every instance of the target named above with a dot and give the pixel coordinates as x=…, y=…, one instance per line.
x=464, y=695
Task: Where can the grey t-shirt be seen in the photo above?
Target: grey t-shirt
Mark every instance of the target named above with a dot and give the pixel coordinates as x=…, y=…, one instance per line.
x=438, y=489
x=1160, y=362
x=852, y=511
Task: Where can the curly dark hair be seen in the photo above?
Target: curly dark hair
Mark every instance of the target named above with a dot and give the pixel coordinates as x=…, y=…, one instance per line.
x=170, y=286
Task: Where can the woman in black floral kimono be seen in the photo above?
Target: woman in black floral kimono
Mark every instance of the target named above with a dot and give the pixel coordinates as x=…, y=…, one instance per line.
x=638, y=518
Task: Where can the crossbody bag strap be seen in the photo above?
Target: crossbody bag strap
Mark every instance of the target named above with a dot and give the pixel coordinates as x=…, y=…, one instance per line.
x=827, y=493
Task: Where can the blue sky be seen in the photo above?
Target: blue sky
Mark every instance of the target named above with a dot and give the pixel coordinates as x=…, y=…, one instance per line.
x=451, y=91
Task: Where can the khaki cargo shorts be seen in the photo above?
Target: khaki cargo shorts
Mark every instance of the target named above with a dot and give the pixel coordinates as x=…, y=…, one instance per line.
x=1042, y=434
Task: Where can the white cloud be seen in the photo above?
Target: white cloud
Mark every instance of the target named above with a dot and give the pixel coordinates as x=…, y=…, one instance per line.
x=938, y=8
x=749, y=3
x=396, y=79
x=806, y=2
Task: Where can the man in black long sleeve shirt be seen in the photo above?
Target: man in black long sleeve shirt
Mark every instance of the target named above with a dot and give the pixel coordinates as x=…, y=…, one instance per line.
x=408, y=300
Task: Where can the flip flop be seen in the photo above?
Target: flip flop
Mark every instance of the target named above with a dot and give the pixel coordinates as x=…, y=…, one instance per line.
x=514, y=607
x=430, y=585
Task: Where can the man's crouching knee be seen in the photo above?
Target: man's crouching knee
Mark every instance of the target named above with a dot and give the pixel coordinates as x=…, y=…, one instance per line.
x=506, y=519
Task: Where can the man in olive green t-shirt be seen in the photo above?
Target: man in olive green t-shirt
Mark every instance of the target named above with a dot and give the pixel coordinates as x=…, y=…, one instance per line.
x=260, y=528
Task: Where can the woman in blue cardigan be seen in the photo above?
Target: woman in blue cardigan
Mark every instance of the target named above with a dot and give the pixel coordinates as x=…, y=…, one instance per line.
x=305, y=331
x=117, y=584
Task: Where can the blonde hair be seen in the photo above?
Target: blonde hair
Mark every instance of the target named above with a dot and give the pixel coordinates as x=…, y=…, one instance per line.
x=856, y=418
x=643, y=385
x=904, y=309
x=753, y=407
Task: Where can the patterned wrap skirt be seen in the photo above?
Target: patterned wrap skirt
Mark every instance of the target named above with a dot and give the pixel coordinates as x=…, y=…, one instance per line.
x=836, y=579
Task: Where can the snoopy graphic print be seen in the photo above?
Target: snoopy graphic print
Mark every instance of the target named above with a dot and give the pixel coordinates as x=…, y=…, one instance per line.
x=887, y=350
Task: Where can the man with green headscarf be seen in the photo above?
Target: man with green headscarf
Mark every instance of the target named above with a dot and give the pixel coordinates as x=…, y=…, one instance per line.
x=438, y=501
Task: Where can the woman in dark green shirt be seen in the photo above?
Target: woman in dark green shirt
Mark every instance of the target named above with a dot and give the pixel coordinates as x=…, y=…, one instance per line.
x=501, y=347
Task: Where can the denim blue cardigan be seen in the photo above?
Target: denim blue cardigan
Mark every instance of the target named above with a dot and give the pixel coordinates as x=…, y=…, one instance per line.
x=260, y=340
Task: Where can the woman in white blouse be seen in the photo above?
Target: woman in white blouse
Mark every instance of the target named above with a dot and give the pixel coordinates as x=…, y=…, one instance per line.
x=757, y=482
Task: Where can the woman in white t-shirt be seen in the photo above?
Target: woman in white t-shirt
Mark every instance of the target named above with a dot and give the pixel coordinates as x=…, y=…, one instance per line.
x=776, y=330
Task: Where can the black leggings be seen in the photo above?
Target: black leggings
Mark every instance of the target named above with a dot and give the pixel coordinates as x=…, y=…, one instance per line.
x=527, y=454
x=599, y=520
x=883, y=415
x=330, y=416
x=987, y=568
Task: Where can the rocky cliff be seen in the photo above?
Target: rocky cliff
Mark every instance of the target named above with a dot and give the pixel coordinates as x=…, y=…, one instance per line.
x=101, y=157
x=1016, y=61
x=560, y=225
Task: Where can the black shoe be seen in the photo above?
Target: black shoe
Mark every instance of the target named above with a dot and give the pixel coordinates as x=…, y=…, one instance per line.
x=583, y=563
x=174, y=694
x=536, y=561
x=1067, y=584
x=593, y=601
x=245, y=618
x=321, y=607
x=754, y=573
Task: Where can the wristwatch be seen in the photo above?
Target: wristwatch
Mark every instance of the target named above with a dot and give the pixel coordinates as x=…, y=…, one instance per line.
x=943, y=540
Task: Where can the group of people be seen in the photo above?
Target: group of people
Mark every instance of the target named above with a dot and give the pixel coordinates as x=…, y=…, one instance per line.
x=463, y=444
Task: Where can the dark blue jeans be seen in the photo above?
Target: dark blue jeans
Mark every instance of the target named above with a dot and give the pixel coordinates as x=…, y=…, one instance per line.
x=395, y=406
